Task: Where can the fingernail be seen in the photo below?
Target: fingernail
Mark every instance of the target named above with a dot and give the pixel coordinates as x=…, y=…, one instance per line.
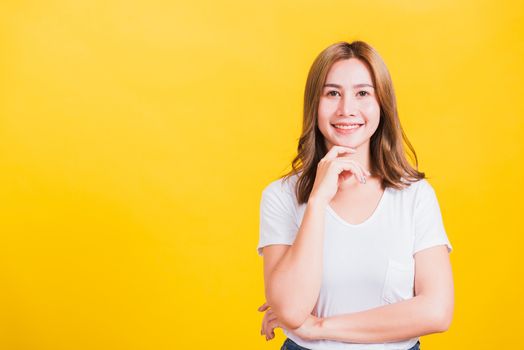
x=363, y=179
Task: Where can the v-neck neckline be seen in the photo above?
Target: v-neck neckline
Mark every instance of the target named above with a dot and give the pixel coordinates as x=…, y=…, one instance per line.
x=366, y=221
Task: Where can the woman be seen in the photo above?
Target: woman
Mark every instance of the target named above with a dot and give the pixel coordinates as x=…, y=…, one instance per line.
x=355, y=251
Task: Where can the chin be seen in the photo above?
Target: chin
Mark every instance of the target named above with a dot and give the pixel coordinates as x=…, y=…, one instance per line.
x=350, y=144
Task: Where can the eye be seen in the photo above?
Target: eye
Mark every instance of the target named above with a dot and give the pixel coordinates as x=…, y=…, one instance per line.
x=365, y=93
x=330, y=93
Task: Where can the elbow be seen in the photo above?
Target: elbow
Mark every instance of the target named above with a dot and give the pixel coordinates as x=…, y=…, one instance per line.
x=289, y=317
x=289, y=313
x=443, y=322
x=441, y=319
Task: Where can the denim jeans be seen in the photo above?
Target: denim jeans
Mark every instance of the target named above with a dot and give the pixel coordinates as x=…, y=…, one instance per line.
x=291, y=345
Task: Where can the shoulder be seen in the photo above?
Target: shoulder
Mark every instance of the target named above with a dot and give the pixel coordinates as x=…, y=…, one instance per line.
x=283, y=187
x=416, y=192
x=278, y=200
x=280, y=193
x=423, y=188
x=416, y=188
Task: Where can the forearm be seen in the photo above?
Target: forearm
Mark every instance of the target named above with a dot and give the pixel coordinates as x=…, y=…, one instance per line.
x=389, y=323
x=295, y=282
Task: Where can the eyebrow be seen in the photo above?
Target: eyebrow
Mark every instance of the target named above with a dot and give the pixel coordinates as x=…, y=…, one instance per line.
x=354, y=86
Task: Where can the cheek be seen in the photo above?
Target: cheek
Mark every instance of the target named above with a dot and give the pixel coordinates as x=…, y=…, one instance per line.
x=372, y=109
x=323, y=108
x=323, y=113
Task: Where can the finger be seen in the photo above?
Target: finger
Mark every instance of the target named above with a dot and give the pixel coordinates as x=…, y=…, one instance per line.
x=269, y=329
x=363, y=171
x=366, y=172
x=268, y=317
x=263, y=330
x=352, y=166
x=271, y=318
x=270, y=333
x=336, y=150
x=272, y=324
x=268, y=320
x=263, y=307
x=264, y=322
x=267, y=332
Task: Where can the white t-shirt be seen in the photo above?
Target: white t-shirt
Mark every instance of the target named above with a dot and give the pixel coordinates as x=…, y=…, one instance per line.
x=364, y=265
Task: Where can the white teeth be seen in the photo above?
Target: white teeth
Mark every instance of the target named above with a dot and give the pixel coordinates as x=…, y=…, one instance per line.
x=353, y=126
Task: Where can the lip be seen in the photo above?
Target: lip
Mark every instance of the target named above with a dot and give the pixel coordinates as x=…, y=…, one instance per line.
x=346, y=131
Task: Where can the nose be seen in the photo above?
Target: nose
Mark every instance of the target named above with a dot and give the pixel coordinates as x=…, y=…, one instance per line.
x=348, y=105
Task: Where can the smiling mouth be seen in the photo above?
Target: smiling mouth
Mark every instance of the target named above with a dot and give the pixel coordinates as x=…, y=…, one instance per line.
x=345, y=129
x=346, y=126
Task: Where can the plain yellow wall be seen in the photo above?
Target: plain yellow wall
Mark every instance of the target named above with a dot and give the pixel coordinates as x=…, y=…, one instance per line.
x=136, y=138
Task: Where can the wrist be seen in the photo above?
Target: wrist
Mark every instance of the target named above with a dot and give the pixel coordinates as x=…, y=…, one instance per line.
x=317, y=201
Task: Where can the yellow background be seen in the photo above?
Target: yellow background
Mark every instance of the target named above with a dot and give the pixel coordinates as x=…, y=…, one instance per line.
x=136, y=138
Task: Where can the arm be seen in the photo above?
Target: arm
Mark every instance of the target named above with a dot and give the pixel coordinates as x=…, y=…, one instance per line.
x=294, y=279
x=292, y=286
x=430, y=311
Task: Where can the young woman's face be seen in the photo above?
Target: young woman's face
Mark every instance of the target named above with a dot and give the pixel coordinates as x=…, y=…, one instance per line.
x=348, y=100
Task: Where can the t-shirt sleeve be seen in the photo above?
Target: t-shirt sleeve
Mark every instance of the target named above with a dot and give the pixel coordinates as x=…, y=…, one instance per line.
x=428, y=224
x=277, y=216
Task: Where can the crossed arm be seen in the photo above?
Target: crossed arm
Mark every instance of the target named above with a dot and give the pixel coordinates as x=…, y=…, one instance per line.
x=430, y=311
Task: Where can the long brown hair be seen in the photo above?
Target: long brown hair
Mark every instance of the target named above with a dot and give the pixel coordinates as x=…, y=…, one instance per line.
x=387, y=155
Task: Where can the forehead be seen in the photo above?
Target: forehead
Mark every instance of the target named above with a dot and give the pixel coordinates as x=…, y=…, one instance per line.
x=348, y=72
